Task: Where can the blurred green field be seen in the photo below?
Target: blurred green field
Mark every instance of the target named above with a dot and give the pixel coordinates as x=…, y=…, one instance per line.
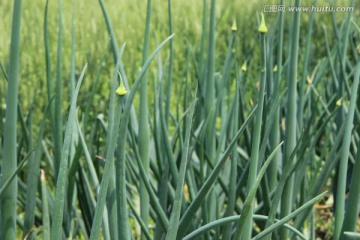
x=92, y=41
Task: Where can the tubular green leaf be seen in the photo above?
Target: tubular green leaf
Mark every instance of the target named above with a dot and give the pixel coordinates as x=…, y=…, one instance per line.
x=256, y=135
x=144, y=137
x=60, y=193
x=200, y=197
x=175, y=214
x=58, y=135
x=195, y=234
x=345, y=151
x=9, y=158
x=95, y=231
x=290, y=133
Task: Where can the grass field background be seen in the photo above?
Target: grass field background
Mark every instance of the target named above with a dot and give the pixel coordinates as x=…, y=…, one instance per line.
x=93, y=41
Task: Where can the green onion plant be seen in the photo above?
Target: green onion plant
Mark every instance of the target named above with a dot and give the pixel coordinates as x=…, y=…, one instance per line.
x=224, y=128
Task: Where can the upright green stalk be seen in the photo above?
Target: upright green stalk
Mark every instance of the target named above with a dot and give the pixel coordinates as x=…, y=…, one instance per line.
x=74, y=162
x=72, y=57
x=290, y=133
x=115, y=49
x=197, y=202
x=305, y=68
x=345, y=152
x=50, y=93
x=345, y=37
x=109, y=172
x=120, y=175
x=61, y=182
x=32, y=182
x=144, y=126
x=175, y=214
x=112, y=115
x=275, y=134
x=247, y=208
x=9, y=159
x=58, y=98
x=50, y=90
x=202, y=45
x=257, y=127
x=171, y=60
x=342, y=51
x=233, y=167
x=120, y=166
x=353, y=204
x=210, y=84
x=49, y=82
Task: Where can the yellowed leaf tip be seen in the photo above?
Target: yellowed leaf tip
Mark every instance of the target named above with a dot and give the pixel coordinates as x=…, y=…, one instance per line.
x=275, y=68
x=251, y=102
x=233, y=26
x=308, y=79
x=262, y=27
x=339, y=102
x=42, y=175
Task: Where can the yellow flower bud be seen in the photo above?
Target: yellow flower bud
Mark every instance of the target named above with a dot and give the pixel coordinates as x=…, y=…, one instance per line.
x=234, y=27
x=121, y=90
x=262, y=27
